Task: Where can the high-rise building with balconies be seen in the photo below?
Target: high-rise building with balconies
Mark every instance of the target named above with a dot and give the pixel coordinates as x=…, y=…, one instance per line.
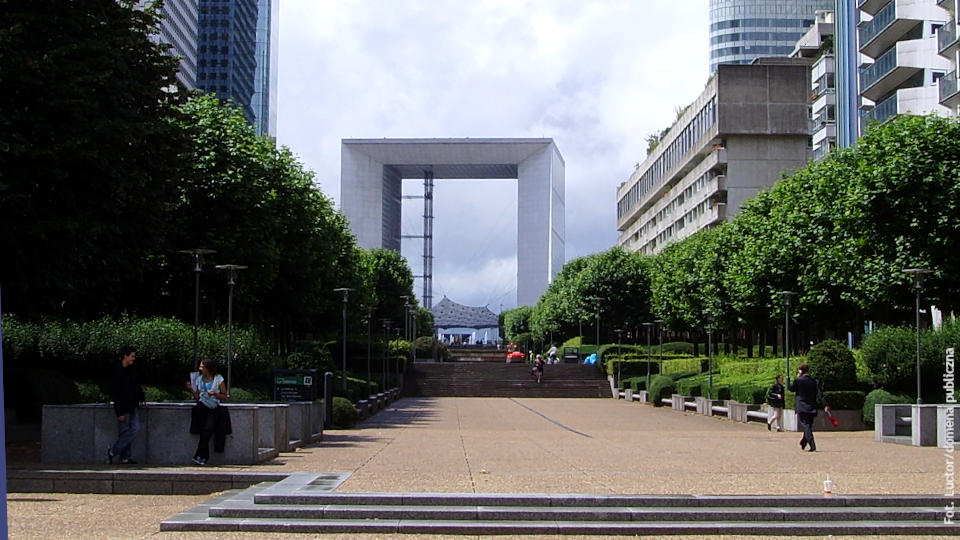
x=901, y=64
x=818, y=45
x=947, y=46
x=747, y=128
x=743, y=30
x=178, y=28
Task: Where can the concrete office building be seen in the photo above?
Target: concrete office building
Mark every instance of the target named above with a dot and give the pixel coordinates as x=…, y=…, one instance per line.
x=743, y=30
x=747, y=128
x=948, y=48
x=179, y=29
x=899, y=48
x=817, y=45
x=371, y=172
x=235, y=48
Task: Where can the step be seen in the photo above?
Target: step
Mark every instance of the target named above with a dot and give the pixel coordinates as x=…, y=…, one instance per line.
x=308, y=503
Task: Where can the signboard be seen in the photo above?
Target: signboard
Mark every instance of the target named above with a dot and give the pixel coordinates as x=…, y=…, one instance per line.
x=571, y=355
x=295, y=384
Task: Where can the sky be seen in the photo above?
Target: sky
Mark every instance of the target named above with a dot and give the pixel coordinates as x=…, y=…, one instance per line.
x=597, y=77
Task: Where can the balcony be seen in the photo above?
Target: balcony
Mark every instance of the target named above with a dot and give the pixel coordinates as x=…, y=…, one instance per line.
x=870, y=6
x=894, y=67
x=949, y=97
x=881, y=113
x=893, y=22
x=947, y=39
x=820, y=152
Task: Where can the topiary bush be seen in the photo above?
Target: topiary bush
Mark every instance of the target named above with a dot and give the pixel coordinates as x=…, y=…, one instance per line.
x=661, y=387
x=890, y=355
x=880, y=397
x=833, y=364
x=345, y=414
x=681, y=365
x=678, y=347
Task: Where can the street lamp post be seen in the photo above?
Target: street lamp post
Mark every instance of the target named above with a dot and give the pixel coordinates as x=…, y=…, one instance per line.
x=198, y=254
x=787, y=295
x=597, y=300
x=386, y=351
x=413, y=336
x=659, y=323
x=710, y=356
x=619, y=332
x=370, y=310
x=649, y=326
x=346, y=293
x=918, y=274
x=406, y=316
x=232, y=270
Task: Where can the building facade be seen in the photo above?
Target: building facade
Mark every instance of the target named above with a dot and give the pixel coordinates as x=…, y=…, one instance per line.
x=235, y=53
x=817, y=45
x=747, y=128
x=179, y=29
x=900, y=61
x=947, y=46
x=743, y=30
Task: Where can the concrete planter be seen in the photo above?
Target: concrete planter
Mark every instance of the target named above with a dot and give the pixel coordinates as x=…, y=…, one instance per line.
x=849, y=420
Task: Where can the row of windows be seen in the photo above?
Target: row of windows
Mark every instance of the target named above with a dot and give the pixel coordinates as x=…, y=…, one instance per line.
x=223, y=62
x=205, y=76
x=215, y=10
x=705, y=119
x=667, y=211
x=754, y=50
x=756, y=36
x=761, y=23
x=213, y=49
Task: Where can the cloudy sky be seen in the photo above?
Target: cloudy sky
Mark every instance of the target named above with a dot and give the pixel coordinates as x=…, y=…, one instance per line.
x=597, y=77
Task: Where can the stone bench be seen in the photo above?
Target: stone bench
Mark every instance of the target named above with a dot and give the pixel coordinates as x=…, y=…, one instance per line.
x=80, y=434
x=917, y=425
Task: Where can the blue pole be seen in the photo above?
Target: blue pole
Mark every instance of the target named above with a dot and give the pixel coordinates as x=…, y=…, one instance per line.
x=3, y=442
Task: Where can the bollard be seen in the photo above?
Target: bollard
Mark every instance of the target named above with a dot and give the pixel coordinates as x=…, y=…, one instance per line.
x=328, y=399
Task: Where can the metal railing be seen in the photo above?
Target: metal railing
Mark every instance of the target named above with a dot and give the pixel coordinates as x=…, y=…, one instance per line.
x=880, y=22
x=946, y=36
x=948, y=86
x=879, y=69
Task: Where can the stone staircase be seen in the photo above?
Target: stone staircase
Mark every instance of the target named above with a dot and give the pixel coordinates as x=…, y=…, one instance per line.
x=307, y=503
x=485, y=379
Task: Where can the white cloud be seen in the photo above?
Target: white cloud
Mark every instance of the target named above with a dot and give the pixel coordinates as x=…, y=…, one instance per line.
x=597, y=77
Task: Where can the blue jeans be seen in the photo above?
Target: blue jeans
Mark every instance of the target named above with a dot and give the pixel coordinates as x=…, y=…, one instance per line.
x=126, y=431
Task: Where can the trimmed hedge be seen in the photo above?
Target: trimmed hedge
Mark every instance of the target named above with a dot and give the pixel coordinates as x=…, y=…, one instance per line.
x=681, y=365
x=880, y=397
x=748, y=393
x=27, y=390
x=345, y=414
x=845, y=399
x=661, y=387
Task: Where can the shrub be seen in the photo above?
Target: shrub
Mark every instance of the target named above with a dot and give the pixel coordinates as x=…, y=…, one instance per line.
x=678, y=347
x=165, y=393
x=832, y=363
x=661, y=387
x=748, y=393
x=312, y=354
x=29, y=390
x=720, y=391
x=844, y=399
x=345, y=414
x=248, y=395
x=890, y=355
x=93, y=392
x=681, y=365
x=880, y=397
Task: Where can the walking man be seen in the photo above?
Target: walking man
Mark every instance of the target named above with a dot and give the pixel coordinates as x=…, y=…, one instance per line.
x=809, y=396
x=127, y=397
x=775, y=400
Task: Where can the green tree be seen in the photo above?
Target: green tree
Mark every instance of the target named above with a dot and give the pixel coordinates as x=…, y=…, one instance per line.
x=87, y=156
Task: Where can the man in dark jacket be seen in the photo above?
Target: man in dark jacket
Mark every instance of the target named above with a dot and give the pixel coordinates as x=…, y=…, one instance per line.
x=127, y=396
x=808, y=397
x=775, y=400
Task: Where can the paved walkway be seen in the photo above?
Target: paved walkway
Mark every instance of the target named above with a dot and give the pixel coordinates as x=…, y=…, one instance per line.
x=530, y=445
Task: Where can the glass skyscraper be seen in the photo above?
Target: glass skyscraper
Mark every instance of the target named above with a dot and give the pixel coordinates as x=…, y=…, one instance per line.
x=742, y=30
x=234, y=51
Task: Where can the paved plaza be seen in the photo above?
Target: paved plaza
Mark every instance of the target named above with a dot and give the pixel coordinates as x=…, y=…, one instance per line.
x=516, y=445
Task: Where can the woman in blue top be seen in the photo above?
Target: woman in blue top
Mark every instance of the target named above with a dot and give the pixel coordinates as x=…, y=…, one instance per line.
x=208, y=389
